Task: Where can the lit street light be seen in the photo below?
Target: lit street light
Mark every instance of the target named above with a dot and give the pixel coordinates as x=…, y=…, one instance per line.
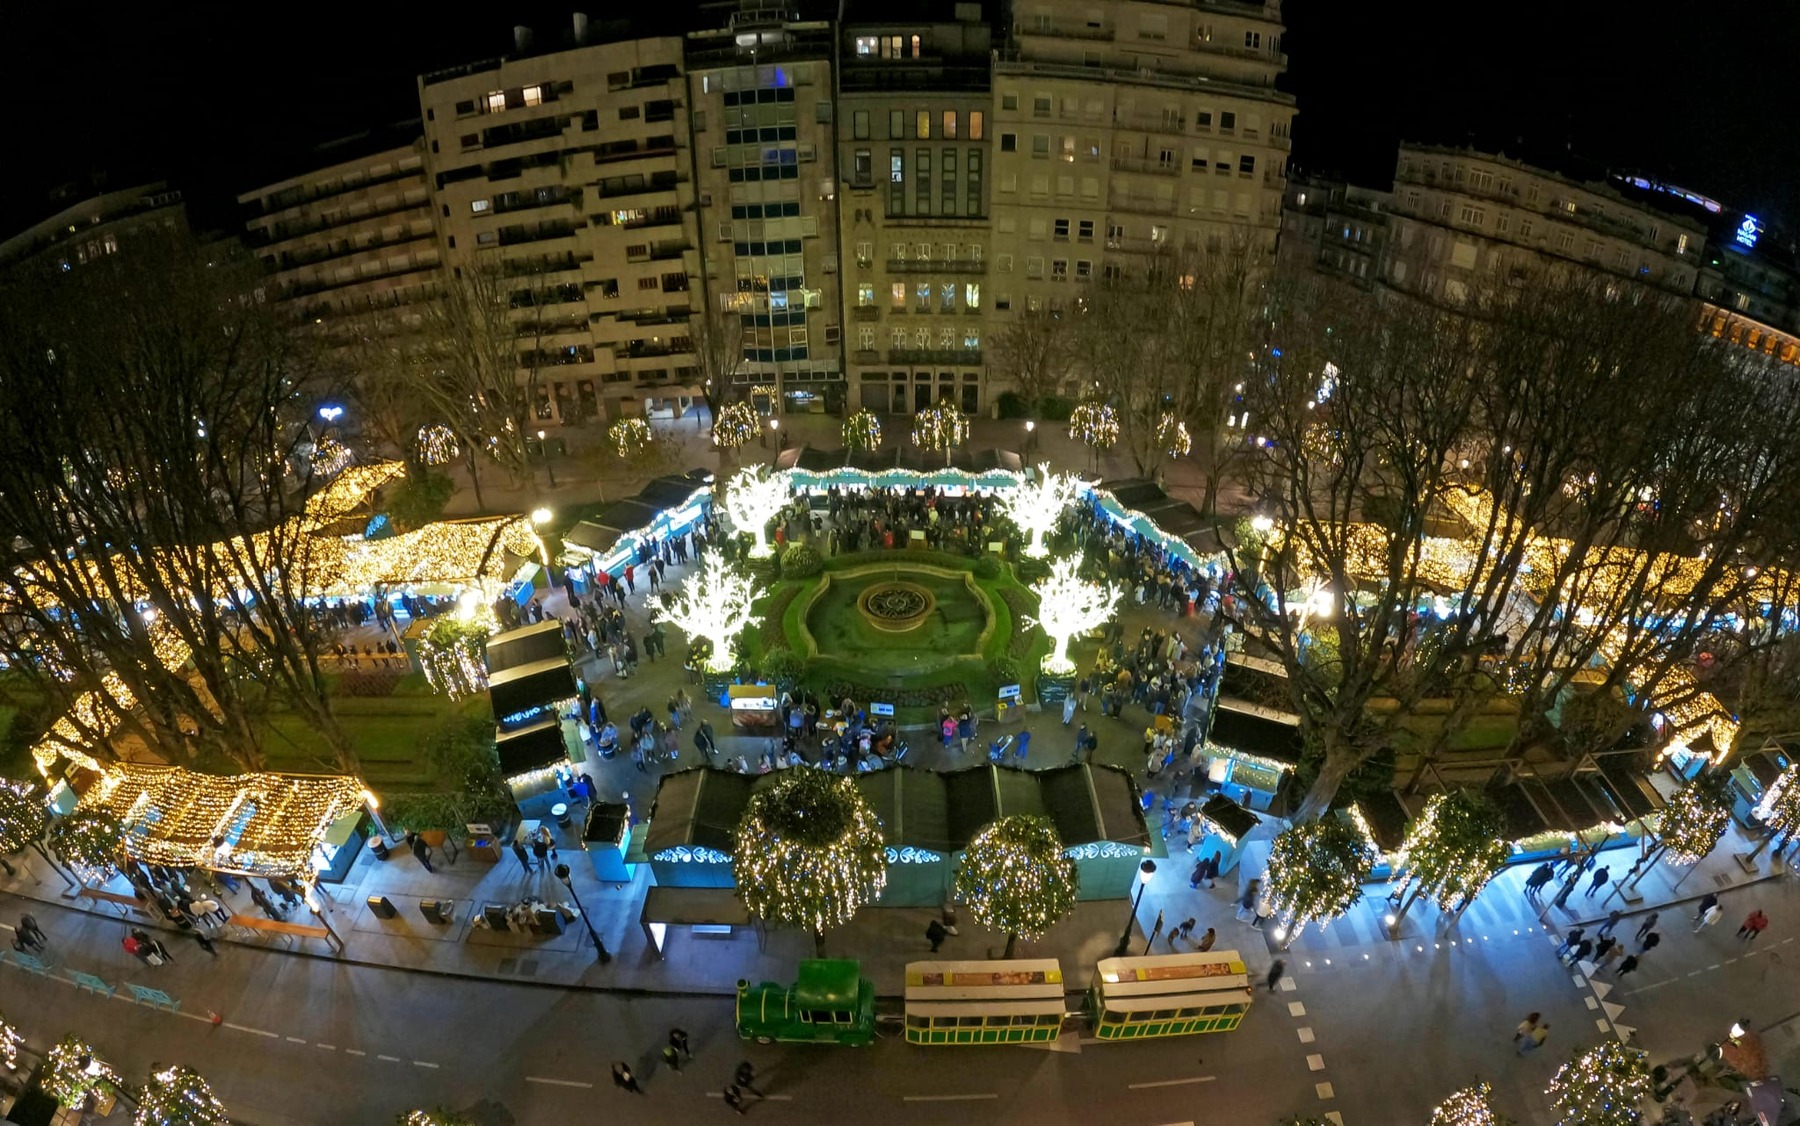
x=544, y=450
x=1145, y=870
x=331, y=412
x=562, y=873
x=541, y=516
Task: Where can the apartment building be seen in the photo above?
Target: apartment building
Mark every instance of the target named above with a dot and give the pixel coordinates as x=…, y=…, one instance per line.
x=915, y=99
x=1128, y=128
x=1461, y=217
x=88, y=224
x=353, y=237
x=762, y=98
x=569, y=175
x=1750, y=288
x=1336, y=228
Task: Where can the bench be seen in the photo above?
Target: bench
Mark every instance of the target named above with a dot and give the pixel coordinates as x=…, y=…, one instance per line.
x=287, y=930
x=100, y=895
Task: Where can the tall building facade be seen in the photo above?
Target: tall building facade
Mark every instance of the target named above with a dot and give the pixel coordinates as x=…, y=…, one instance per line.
x=89, y=224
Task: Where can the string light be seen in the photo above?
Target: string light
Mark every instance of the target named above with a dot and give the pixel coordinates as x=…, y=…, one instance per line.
x=1779, y=809
x=1097, y=424
x=1696, y=817
x=1068, y=605
x=22, y=816
x=714, y=603
x=10, y=1042
x=753, y=498
x=862, y=431
x=1454, y=847
x=734, y=425
x=177, y=1096
x=630, y=436
x=437, y=444
x=940, y=427
x=72, y=1069
x=1602, y=1086
x=1172, y=436
x=438, y=1117
x=1015, y=878
x=1036, y=506
x=330, y=456
x=1316, y=871
x=1471, y=1106
x=809, y=851
x=88, y=839
x=453, y=652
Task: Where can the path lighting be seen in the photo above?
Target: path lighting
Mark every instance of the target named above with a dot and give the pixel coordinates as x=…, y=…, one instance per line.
x=1145, y=871
x=600, y=952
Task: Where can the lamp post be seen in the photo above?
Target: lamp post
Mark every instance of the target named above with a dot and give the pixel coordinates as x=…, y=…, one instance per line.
x=1030, y=437
x=600, y=954
x=775, y=428
x=544, y=451
x=1145, y=870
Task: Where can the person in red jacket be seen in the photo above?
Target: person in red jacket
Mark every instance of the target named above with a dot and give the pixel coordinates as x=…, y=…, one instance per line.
x=1753, y=926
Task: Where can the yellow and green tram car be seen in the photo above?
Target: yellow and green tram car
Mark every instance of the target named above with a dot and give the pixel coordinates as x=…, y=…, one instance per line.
x=1010, y=1002
x=830, y=1002
x=1168, y=995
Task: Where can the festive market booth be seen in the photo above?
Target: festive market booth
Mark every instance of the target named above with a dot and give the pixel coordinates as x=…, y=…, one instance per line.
x=613, y=537
x=1141, y=508
x=1252, y=751
x=1225, y=824
x=1543, y=815
x=530, y=687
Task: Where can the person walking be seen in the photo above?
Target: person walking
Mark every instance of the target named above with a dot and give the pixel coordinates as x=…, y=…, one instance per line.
x=1569, y=942
x=1606, y=943
x=518, y=849
x=1648, y=925
x=1068, y=710
x=734, y=1098
x=30, y=933
x=1613, y=954
x=624, y=1079
x=746, y=1078
x=1541, y=875
x=1601, y=875
x=1612, y=921
x=1649, y=942
x=1527, y=1027
x=1627, y=966
x=1276, y=969
x=935, y=934
x=1753, y=926
x=678, y=1039
x=205, y=943
x=420, y=850
x=672, y=1057
x=1707, y=903
x=1534, y=1039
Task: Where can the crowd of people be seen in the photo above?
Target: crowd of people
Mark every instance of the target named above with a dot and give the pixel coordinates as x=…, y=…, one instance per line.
x=876, y=518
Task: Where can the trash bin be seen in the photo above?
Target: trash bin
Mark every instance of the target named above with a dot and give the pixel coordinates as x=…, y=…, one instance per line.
x=560, y=811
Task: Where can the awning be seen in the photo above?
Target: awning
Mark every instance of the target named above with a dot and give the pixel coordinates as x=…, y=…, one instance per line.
x=698, y=806
x=523, y=687
x=525, y=645
x=531, y=747
x=1238, y=725
x=695, y=907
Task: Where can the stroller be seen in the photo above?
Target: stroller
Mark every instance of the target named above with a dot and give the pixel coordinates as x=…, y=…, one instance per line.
x=1018, y=745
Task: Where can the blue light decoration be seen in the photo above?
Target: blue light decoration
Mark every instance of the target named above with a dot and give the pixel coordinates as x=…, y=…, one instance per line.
x=379, y=528
x=692, y=854
x=1104, y=850
x=910, y=855
x=1749, y=231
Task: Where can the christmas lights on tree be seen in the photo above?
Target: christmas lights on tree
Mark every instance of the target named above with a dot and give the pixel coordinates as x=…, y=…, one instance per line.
x=1454, y=847
x=1695, y=818
x=177, y=1096
x=630, y=437
x=809, y=852
x=89, y=840
x=1316, y=872
x=753, y=498
x=940, y=427
x=1602, y=1086
x=22, y=816
x=439, y=1117
x=72, y=1069
x=1068, y=605
x=453, y=652
x=862, y=431
x=714, y=603
x=1779, y=809
x=1096, y=424
x=437, y=444
x=1471, y=1106
x=1037, y=506
x=734, y=425
x=10, y=1041
x=1016, y=880
x=1172, y=436
x=330, y=456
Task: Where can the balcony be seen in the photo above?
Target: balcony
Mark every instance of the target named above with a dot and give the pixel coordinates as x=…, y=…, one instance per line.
x=960, y=357
x=865, y=356
x=866, y=313
x=937, y=266
x=1065, y=29
x=642, y=349
x=1151, y=123
x=1145, y=164
x=1139, y=205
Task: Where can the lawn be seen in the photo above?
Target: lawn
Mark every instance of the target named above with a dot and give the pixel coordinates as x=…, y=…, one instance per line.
x=388, y=733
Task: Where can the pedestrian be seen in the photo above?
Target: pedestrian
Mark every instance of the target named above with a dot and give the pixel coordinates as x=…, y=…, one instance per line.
x=1613, y=954
x=1753, y=926
x=1276, y=969
x=524, y=857
x=1709, y=916
x=1068, y=710
x=1526, y=1027
x=1541, y=875
x=1187, y=929
x=935, y=934
x=420, y=850
x=205, y=943
x=540, y=850
x=746, y=1078
x=1081, y=738
x=678, y=1039
x=1605, y=944
x=1707, y=903
x=30, y=933
x=1579, y=952
x=672, y=1058
x=1568, y=943
x=1601, y=875
x=1648, y=925
x=1648, y=942
x=734, y=1098
x=1206, y=940
x=623, y=1078
x=1612, y=921
x=1199, y=872
x=1212, y=869
x=1534, y=1039
x=1629, y=964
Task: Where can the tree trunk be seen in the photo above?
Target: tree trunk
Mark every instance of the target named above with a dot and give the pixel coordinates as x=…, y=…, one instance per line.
x=475, y=480
x=1012, y=944
x=1336, y=767
x=1405, y=906
x=818, y=944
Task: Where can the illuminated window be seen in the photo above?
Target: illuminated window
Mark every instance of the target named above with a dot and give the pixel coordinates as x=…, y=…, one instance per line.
x=972, y=295
x=867, y=46
x=865, y=294
x=949, y=123
x=924, y=123
x=496, y=101
x=534, y=95
x=478, y=205
x=897, y=293
x=975, y=122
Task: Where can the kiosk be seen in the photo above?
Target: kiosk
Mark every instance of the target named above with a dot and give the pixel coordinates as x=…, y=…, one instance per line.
x=753, y=708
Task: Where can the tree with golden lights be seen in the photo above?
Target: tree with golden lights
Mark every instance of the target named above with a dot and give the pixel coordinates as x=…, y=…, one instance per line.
x=1453, y=848
x=177, y=1096
x=753, y=497
x=1036, y=506
x=1696, y=817
x=1015, y=878
x=1067, y=605
x=1607, y=1085
x=862, y=431
x=940, y=426
x=713, y=603
x=1471, y=1106
x=1316, y=872
x=809, y=852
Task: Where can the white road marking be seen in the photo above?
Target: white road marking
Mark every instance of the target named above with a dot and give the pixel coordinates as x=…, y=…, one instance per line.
x=1296, y=1009
x=295, y=1040
x=1171, y=1082
x=390, y=1059
x=1324, y=1090
x=770, y=1098
x=946, y=1098
x=257, y=1031
x=1600, y=1023
x=557, y=1082
x=354, y=1052
x=1591, y=1003
x=1315, y=1063
x=1306, y=1035
x=327, y=1047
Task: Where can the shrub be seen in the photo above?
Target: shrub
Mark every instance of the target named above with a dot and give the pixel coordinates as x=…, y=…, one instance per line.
x=1031, y=570
x=1014, y=405
x=987, y=567
x=1004, y=670
x=1055, y=408
x=782, y=667
x=800, y=561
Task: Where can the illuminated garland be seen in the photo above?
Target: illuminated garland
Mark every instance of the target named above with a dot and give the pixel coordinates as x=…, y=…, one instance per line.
x=1016, y=879
x=10, y=1042
x=630, y=436
x=862, y=431
x=23, y=816
x=753, y=498
x=735, y=425
x=1037, y=506
x=763, y=390
x=437, y=444
x=177, y=1096
x=1602, y=1086
x=1068, y=605
x=1471, y=1106
x=1172, y=436
x=714, y=603
x=72, y=1069
x=453, y=653
x=1097, y=424
x=330, y=456
x=1696, y=817
x=89, y=840
x=809, y=852
x=940, y=427
x=439, y=1117
x=1316, y=872
x=1455, y=847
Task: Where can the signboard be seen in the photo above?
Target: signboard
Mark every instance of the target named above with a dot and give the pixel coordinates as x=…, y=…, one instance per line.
x=479, y=829
x=1054, y=689
x=882, y=709
x=1009, y=692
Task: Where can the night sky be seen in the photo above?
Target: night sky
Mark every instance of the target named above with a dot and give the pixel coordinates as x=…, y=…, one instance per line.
x=220, y=102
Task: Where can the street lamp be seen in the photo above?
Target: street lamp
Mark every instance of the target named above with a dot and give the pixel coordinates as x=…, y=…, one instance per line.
x=331, y=412
x=541, y=516
x=1145, y=870
x=775, y=428
x=545, y=451
x=600, y=954
x=1030, y=436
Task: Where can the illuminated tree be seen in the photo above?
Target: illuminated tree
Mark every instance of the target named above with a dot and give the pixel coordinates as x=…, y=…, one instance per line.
x=72, y=1069
x=1068, y=605
x=1602, y=1086
x=1036, y=507
x=734, y=425
x=22, y=816
x=1172, y=436
x=1471, y=1106
x=714, y=603
x=753, y=498
x=809, y=852
x=1096, y=425
x=940, y=427
x=453, y=652
x=862, y=431
x=1016, y=880
x=10, y=1040
x=1779, y=809
x=89, y=841
x=1696, y=817
x=630, y=437
x=177, y=1096
x=436, y=444
x=1452, y=850
x=1316, y=872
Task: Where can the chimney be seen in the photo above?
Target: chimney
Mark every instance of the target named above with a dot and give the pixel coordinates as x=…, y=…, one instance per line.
x=521, y=38
x=581, y=27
